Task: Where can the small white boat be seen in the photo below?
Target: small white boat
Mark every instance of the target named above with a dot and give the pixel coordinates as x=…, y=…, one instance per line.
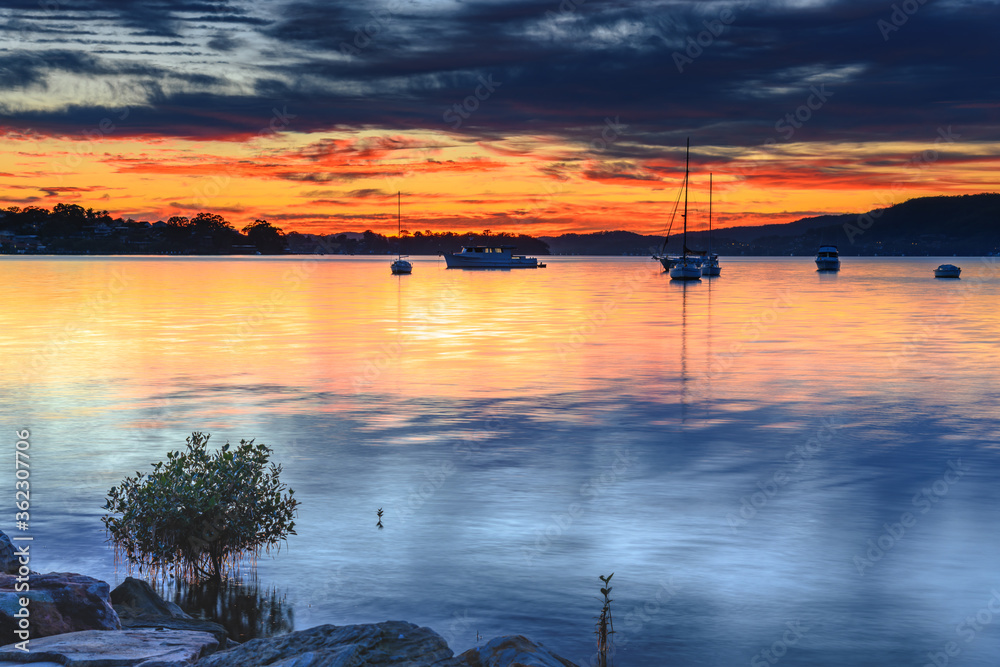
x=686, y=268
x=489, y=257
x=827, y=258
x=947, y=271
x=400, y=266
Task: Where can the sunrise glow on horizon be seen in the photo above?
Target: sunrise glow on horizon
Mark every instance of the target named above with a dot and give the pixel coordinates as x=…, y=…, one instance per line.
x=575, y=122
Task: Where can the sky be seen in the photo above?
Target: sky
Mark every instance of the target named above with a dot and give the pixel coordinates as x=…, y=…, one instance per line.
x=527, y=117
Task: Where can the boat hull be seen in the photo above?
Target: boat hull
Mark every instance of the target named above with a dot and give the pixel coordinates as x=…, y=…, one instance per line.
x=401, y=267
x=686, y=269
x=456, y=261
x=667, y=262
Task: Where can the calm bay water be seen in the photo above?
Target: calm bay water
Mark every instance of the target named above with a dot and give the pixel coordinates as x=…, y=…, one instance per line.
x=772, y=449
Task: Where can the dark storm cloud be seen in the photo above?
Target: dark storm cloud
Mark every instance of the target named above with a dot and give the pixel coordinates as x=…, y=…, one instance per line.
x=33, y=68
x=736, y=74
x=224, y=42
x=163, y=17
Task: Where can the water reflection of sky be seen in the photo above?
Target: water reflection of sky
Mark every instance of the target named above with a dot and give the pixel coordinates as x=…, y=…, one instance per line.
x=527, y=431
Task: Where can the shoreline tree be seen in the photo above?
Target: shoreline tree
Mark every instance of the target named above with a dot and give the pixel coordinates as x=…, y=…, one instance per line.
x=270, y=240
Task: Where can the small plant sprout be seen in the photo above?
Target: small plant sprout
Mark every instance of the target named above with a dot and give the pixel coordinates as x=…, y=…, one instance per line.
x=605, y=626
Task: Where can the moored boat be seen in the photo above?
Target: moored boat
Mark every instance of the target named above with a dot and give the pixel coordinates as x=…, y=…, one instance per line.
x=489, y=257
x=400, y=266
x=827, y=258
x=710, y=267
x=686, y=268
x=688, y=265
x=947, y=271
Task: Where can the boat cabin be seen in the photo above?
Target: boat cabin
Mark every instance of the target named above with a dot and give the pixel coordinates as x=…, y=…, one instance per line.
x=487, y=249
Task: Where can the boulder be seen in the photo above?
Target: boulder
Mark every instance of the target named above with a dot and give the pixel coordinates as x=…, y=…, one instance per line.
x=510, y=651
x=60, y=602
x=135, y=598
x=122, y=648
x=388, y=643
x=8, y=560
x=139, y=606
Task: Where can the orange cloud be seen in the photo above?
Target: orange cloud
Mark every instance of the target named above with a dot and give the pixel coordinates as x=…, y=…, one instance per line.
x=532, y=184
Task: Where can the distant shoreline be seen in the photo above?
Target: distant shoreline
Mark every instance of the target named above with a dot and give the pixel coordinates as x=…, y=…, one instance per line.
x=382, y=256
x=955, y=226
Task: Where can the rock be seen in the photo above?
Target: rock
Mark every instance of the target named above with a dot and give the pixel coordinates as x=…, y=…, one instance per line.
x=186, y=624
x=8, y=560
x=139, y=606
x=60, y=602
x=511, y=651
x=135, y=598
x=122, y=648
x=388, y=643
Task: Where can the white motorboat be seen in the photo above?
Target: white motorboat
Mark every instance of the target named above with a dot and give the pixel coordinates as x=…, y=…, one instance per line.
x=688, y=265
x=400, y=266
x=947, y=271
x=827, y=258
x=489, y=257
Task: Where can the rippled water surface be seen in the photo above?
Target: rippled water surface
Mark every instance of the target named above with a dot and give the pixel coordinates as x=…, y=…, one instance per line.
x=776, y=459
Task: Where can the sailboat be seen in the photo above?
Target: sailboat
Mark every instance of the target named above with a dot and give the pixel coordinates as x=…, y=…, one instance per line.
x=711, y=265
x=687, y=266
x=662, y=257
x=400, y=265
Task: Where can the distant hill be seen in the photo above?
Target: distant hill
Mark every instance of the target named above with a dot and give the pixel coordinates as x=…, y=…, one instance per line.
x=796, y=228
x=603, y=243
x=959, y=225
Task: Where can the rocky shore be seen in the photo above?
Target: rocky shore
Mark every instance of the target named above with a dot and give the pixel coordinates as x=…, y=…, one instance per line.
x=70, y=619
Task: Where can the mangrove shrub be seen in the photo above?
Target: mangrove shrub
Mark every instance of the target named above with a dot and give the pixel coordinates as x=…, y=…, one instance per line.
x=199, y=513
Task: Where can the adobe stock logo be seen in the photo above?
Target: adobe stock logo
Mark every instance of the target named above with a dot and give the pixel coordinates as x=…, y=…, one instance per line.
x=898, y=18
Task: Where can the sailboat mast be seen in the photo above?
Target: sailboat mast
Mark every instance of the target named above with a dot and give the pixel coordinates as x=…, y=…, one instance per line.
x=687, y=164
x=710, y=215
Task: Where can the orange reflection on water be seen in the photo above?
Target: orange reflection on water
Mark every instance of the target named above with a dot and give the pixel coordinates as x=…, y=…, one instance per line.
x=321, y=334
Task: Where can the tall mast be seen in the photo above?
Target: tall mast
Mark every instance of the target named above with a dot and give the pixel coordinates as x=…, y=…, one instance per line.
x=687, y=163
x=710, y=214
